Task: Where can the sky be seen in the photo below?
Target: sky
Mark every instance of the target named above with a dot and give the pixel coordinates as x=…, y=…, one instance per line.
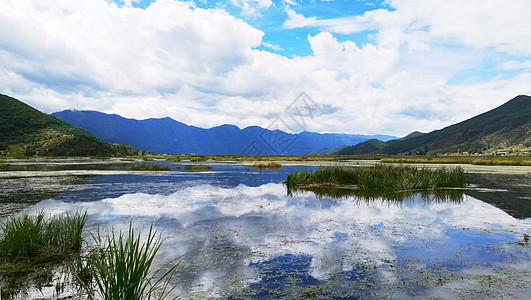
x=343, y=66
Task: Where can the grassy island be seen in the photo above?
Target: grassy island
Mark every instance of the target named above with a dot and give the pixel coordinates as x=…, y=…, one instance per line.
x=151, y=168
x=267, y=166
x=197, y=168
x=379, y=178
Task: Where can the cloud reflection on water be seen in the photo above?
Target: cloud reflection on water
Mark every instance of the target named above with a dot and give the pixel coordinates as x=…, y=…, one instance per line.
x=222, y=235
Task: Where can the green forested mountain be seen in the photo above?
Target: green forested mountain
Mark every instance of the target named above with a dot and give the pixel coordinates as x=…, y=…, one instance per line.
x=370, y=146
x=507, y=126
x=26, y=131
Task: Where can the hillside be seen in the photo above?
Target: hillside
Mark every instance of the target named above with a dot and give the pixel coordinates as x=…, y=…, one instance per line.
x=507, y=126
x=26, y=131
x=169, y=136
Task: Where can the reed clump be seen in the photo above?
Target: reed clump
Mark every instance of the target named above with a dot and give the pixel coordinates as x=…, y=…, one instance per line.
x=121, y=269
x=197, y=168
x=380, y=177
x=267, y=166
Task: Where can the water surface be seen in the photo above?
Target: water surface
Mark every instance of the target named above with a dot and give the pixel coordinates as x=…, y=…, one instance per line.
x=239, y=235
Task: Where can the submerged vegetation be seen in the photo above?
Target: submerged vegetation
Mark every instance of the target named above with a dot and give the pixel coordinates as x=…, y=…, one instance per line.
x=267, y=166
x=122, y=268
x=379, y=177
x=197, y=168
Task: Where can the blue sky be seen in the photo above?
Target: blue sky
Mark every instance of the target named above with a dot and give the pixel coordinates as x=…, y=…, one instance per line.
x=290, y=42
x=375, y=67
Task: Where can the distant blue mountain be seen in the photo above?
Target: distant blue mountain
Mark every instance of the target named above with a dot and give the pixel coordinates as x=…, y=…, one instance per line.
x=169, y=136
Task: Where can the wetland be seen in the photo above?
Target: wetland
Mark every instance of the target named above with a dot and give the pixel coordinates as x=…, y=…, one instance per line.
x=239, y=233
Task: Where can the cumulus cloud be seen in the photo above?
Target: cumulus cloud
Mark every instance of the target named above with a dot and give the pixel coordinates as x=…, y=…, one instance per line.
x=202, y=66
x=476, y=23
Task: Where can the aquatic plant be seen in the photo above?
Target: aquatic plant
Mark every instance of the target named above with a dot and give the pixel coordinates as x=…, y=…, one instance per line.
x=197, y=168
x=31, y=239
x=267, y=166
x=122, y=268
x=380, y=177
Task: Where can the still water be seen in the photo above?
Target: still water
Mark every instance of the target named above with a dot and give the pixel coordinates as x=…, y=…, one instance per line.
x=238, y=234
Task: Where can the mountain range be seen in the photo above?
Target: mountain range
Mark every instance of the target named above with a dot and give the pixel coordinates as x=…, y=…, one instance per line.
x=26, y=131
x=171, y=137
x=505, y=127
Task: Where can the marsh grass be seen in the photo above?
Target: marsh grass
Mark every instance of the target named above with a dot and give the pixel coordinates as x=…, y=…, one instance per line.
x=197, y=168
x=122, y=268
x=267, y=166
x=151, y=168
x=28, y=239
x=380, y=177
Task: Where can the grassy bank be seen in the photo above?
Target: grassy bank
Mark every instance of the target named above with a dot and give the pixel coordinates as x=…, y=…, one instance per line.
x=239, y=157
x=379, y=177
x=267, y=166
x=474, y=160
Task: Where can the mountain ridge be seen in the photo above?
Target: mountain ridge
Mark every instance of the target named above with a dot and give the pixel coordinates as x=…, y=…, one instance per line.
x=25, y=130
x=166, y=135
x=508, y=125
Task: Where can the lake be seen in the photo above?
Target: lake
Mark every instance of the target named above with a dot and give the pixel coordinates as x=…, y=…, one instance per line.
x=239, y=234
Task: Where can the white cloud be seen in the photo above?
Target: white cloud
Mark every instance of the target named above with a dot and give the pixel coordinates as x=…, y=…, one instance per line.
x=272, y=46
x=201, y=67
x=516, y=65
x=477, y=23
x=252, y=7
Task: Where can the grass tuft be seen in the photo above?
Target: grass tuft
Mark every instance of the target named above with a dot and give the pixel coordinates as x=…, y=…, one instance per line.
x=121, y=269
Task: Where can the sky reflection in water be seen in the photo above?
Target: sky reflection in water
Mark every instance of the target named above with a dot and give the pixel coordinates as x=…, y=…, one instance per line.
x=238, y=234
